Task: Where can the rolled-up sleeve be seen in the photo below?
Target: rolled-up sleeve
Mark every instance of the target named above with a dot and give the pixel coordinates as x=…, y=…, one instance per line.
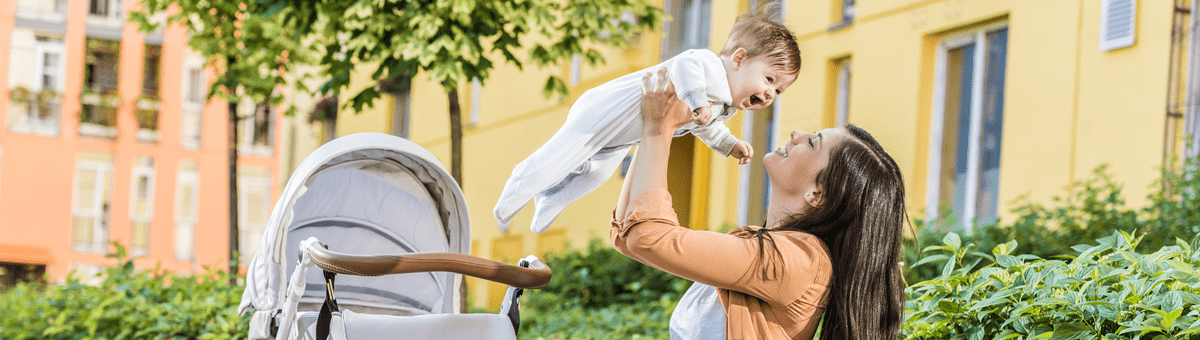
x=650, y=233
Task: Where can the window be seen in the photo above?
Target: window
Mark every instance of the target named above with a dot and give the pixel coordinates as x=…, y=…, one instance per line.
x=195, y=89
x=42, y=9
x=1118, y=19
x=141, y=206
x=187, y=206
x=100, y=83
x=476, y=98
x=36, y=88
x=967, y=124
x=758, y=127
x=105, y=8
x=576, y=67
x=839, y=113
x=326, y=112
x=846, y=11
x=150, y=70
x=254, y=208
x=399, y=87
x=257, y=127
x=689, y=27
x=91, y=207
x=12, y=273
x=197, y=86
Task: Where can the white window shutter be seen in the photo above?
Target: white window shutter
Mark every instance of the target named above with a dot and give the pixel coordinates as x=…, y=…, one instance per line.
x=1118, y=20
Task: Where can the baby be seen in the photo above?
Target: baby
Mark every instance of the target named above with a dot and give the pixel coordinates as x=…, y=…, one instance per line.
x=759, y=61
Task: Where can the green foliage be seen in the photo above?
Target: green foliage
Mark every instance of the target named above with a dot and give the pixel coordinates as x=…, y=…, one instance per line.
x=601, y=294
x=643, y=320
x=252, y=53
x=1108, y=291
x=127, y=304
x=601, y=276
x=1091, y=209
x=451, y=40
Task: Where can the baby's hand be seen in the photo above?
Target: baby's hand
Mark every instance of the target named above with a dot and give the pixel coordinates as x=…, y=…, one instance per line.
x=702, y=115
x=742, y=151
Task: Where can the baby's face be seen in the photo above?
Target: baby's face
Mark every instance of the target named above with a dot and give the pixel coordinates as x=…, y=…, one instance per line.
x=754, y=83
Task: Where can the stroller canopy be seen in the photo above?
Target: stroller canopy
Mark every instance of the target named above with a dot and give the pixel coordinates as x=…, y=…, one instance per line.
x=366, y=194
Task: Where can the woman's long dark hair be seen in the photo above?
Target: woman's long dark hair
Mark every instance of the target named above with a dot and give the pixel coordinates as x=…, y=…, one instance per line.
x=861, y=220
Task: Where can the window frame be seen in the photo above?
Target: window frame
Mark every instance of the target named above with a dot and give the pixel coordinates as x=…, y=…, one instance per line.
x=690, y=39
x=842, y=101
x=100, y=225
x=141, y=170
x=977, y=36
x=186, y=225
x=246, y=184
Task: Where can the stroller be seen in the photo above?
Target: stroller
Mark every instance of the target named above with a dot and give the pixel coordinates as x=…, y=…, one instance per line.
x=372, y=204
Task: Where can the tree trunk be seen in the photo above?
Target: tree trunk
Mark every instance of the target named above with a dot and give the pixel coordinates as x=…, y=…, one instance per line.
x=233, y=189
x=456, y=168
x=455, y=137
x=233, y=193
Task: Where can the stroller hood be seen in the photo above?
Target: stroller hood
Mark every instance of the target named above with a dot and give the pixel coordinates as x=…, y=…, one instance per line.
x=366, y=193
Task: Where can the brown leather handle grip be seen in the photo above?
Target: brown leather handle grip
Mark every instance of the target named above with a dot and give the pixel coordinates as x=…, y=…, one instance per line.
x=377, y=265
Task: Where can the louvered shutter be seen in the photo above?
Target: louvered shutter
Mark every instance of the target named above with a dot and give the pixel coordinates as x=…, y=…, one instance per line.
x=1118, y=20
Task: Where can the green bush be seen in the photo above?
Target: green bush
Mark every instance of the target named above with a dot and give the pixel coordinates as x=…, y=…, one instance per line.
x=600, y=276
x=1108, y=291
x=642, y=320
x=598, y=293
x=1092, y=208
x=127, y=304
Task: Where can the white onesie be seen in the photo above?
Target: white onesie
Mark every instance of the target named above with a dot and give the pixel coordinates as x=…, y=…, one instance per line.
x=601, y=127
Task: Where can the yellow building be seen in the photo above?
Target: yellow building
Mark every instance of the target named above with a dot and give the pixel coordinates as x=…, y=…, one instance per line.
x=1014, y=97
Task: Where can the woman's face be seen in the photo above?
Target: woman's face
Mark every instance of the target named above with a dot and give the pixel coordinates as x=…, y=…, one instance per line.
x=793, y=167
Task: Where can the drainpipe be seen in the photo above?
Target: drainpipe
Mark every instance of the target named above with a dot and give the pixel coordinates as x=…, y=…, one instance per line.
x=1192, y=106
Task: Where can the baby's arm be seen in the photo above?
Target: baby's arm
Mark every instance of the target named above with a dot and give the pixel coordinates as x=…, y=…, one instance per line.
x=688, y=74
x=718, y=137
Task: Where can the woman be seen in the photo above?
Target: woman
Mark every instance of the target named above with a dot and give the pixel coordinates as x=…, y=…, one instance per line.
x=836, y=218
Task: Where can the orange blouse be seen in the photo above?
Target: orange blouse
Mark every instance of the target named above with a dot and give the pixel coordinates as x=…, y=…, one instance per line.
x=787, y=306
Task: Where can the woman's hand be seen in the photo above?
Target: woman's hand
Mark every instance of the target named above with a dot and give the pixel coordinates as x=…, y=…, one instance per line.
x=662, y=112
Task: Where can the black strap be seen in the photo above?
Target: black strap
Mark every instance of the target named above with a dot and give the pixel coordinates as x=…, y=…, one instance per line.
x=327, y=309
x=330, y=305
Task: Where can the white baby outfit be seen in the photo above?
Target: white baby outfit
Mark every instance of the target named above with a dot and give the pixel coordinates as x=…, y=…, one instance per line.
x=601, y=127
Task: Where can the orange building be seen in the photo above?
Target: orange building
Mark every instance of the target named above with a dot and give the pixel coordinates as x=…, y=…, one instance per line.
x=106, y=136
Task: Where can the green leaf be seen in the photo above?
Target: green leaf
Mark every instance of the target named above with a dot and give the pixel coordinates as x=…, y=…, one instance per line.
x=952, y=240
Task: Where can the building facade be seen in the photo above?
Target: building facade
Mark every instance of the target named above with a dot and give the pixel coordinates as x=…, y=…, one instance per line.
x=979, y=101
x=107, y=137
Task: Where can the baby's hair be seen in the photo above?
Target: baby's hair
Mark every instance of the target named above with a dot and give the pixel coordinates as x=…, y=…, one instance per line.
x=760, y=36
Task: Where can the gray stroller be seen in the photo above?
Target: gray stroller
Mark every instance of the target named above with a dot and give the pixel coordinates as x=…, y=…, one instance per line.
x=369, y=205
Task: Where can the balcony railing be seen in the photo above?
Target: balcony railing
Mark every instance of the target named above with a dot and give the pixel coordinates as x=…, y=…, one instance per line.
x=35, y=113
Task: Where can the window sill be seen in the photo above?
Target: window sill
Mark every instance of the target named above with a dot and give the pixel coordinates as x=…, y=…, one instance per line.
x=256, y=150
x=148, y=136
x=38, y=129
x=839, y=26
x=97, y=130
x=190, y=144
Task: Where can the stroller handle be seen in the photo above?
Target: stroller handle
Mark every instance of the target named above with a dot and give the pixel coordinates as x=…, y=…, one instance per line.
x=378, y=265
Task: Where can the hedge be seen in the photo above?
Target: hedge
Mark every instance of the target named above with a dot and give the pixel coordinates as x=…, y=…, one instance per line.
x=127, y=304
x=1106, y=291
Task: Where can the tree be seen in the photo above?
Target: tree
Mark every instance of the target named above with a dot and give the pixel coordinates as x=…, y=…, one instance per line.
x=251, y=54
x=450, y=40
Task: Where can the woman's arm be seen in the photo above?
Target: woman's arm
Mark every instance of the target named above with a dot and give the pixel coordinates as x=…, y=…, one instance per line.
x=662, y=114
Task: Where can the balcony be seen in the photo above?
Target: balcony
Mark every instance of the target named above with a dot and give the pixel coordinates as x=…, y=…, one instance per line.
x=42, y=15
x=97, y=117
x=35, y=113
